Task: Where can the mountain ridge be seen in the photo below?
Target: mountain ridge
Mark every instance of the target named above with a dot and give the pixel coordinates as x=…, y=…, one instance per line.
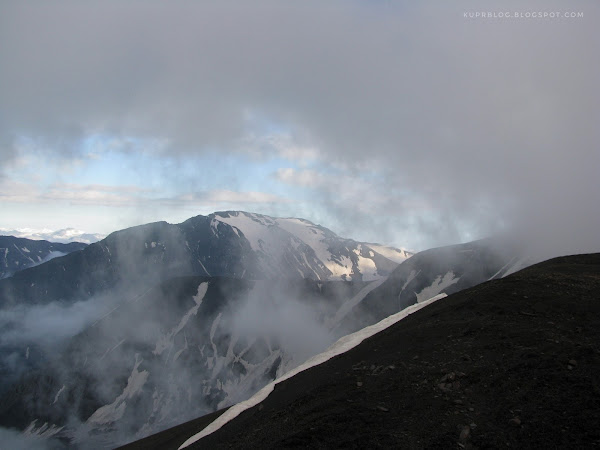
x=25, y=253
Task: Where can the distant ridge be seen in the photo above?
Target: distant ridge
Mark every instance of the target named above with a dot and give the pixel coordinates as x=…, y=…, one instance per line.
x=63, y=236
x=17, y=254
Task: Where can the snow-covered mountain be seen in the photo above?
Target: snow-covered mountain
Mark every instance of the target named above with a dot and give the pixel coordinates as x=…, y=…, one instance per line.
x=17, y=253
x=232, y=244
x=62, y=236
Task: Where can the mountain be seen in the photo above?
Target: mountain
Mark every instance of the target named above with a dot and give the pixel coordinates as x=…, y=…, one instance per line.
x=512, y=362
x=229, y=244
x=63, y=236
x=18, y=253
x=431, y=272
x=193, y=344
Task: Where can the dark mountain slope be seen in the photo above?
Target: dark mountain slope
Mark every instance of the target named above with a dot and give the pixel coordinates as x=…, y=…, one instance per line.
x=512, y=363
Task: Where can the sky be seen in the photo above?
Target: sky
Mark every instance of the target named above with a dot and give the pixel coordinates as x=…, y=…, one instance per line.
x=414, y=124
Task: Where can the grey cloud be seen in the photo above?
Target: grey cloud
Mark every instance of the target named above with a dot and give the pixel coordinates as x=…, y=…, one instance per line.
x=47, y=324
x=490, y=122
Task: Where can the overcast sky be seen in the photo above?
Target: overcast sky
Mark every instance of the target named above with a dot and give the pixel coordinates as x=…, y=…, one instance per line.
x=407, y=123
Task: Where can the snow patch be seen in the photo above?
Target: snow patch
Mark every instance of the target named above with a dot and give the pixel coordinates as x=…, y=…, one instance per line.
x=518, y=265
x=60, y=391
x=180, y=351
x=45, y=431
x=166, y=341
x=254, y=228
x=350, y=304
x=111, y=349
x=339, y=269
x=310, y=234
x=115, y=411
x=368, y=269
x=438, y=285
x=391, y=253
x=214, y=226
x=411, y=276
x=204, y=268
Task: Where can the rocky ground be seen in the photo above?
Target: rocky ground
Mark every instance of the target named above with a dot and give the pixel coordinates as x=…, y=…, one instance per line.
x=511, y=363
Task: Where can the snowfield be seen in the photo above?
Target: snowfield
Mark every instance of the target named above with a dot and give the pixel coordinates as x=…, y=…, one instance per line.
x=258, y=231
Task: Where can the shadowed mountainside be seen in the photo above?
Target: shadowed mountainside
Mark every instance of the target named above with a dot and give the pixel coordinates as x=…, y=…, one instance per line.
x=510, y=362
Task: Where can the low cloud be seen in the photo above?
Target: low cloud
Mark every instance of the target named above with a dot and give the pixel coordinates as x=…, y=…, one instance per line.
x=49, y=324
x=225, y=196
x=278, y=314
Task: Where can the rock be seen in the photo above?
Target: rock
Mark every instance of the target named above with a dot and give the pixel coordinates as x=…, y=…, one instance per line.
x=573, y=363
x=448, y=377
x=376, y=370
x=515, y=421
x=445, y=387
x=359, y=383
x=465, y=433
x=382, y=408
